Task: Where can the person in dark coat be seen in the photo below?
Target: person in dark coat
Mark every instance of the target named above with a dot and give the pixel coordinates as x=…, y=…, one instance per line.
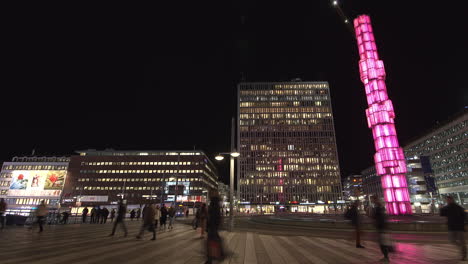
x=104, y=215
x=120, y=218
x=112, y=215
x=3, y=208
x=98, y=214
x=84, y=213
x=149, y=213
x=163, y=218
x=132, y=214
x=380, y=222
x=214, y=242
x=456, y=224
x=93, y=215
x=353, y=215
x=138, y=214
x=65, y=217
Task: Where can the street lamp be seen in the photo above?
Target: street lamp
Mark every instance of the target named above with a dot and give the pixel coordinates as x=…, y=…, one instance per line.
x=220, y=157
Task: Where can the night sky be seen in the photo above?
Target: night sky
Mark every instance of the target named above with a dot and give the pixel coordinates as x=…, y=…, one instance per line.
x=165, y=78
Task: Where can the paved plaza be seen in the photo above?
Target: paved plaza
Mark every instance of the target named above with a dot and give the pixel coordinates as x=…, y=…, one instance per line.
x=89, y=243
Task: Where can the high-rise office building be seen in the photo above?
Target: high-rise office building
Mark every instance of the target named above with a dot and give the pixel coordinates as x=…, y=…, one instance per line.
x=139, y=176
x=287, y=142
x=446, y=148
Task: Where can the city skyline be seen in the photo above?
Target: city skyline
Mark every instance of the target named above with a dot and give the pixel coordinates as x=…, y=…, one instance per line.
x=72, y=87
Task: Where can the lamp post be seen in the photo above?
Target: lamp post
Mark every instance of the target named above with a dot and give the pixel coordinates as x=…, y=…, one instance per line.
x=220, y=157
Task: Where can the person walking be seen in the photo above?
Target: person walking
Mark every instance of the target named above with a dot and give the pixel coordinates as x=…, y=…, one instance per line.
x=84, y=214
x=98, y=214
x=104, y=215
x=93, y=215
x=41, y=213
x=214, y=242
x=3, y=208
x=186, y=213
x=132, y=214
x=112, y=215
x=157, y=216
x=456, y=224
x=149, y=213
x=163, y=218
x=120, y=218
x=203, y=216
x=171, y=214
x=353, y=215
x=380, y=222
x=138, y=214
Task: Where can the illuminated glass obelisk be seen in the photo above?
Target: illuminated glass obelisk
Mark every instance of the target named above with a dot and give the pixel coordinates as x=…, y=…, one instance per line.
x=389, y=159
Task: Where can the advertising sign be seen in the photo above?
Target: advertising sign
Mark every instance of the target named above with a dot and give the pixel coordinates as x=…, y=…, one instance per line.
x=37, y=183
x=94, y=198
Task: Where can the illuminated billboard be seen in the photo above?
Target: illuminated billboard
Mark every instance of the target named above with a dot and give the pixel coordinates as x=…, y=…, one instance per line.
x=37, y=183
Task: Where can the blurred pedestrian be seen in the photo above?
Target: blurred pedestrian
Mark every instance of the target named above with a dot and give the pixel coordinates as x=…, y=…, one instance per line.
x=98, y=214
x=132, y=214
x=162, y=220
x=65, y=217
x=186, y=213
x=353, y=214
x=41, y=213
x=3, y=207
x=171, y=213
x=380, y=222
x=214, y=242
x=93, y=215
x=157, y=216
x=203, y=216
x=120, y=218
x=138, y=214
x=148, y=221
x=456, y=224
x=84, y=214
x=104, y=215
x=112, y=215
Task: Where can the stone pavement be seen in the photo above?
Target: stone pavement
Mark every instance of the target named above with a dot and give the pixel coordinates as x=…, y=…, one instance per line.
x=90, y=243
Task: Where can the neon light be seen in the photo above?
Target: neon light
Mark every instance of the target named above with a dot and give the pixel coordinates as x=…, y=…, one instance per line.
x=389, y=159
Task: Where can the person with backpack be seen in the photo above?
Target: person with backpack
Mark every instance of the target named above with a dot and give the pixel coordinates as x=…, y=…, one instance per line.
x=456, y=224
x=353, y=214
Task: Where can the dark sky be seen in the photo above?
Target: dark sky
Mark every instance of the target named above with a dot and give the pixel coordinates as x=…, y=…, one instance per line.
x=165, y=77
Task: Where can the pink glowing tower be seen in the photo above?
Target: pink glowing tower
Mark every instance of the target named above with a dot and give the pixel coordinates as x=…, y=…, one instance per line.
x=389, y=159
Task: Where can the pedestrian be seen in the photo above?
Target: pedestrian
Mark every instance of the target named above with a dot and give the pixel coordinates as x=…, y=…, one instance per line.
x=84, y=214
x=41, y=213
x=456, y=224
x=163, y=218
x=186, y=213
x=157, y=216
x=214, y=242
x=353, y=214
x=132, y=214
x=98, y=214
x=171, y=213
x=93, y=215
x=104, y=215
x=138, y=214
x=65, y=217
x=112, y=215
x=120, y=218
x=203, y=216
x=380, y=222
x=148, y=221
x=3, y=207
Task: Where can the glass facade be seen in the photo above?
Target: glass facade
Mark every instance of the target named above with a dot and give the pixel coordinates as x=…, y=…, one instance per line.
x=287, y=143
x=447, y=149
